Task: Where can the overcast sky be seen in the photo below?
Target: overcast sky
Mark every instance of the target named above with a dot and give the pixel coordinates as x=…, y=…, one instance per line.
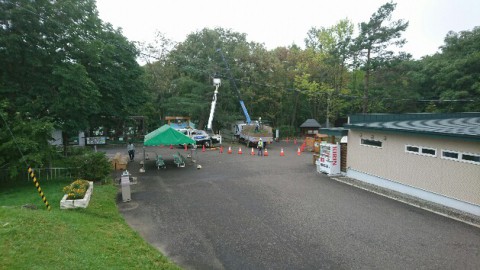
x=282, y=23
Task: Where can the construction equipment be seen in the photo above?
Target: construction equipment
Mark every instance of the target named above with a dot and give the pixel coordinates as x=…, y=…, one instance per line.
x=215, y=137
x=248, y=131
x=232, y=81
x=216, y=83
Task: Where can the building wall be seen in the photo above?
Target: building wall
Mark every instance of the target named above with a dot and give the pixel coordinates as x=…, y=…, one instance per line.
x=454, y=179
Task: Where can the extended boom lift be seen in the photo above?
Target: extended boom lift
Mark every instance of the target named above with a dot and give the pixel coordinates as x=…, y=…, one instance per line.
x=232, y=81
x=216, y=83
x=247, y=132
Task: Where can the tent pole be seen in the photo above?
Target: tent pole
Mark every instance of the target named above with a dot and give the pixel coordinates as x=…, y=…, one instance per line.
x=144, y=158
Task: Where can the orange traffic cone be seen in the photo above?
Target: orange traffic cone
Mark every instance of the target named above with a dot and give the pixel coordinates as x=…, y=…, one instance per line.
x=171, y=146
x=298, y=151
x=265, y=153
x=221, y=149
x=295, y=141
x=239, y=150
x=229, y=149
x=203, y=148
x=287, y=139
x=252, y=153
x=185, y=147
x=282, y=153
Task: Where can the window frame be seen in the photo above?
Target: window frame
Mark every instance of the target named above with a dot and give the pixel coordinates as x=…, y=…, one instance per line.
x=420, y=150
x=460, y=156
x=450, y=158
x=427, y=154
x=469, y=161
x=412, y=146
x=369, y=145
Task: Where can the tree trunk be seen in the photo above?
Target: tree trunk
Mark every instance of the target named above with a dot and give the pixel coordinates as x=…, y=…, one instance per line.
x=294, y=113
x=65, y=142
x=367, y=83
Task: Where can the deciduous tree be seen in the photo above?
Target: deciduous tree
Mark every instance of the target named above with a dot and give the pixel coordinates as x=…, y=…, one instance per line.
x=374, y=42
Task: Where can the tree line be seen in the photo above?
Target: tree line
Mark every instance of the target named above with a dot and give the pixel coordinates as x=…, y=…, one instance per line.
x=336, y=74
x=62, y=67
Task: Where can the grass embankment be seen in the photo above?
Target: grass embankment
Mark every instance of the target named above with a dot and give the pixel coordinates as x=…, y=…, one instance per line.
x=93, y=238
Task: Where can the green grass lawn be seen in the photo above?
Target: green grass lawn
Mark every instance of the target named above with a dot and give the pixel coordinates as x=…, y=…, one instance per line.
x=93, y=238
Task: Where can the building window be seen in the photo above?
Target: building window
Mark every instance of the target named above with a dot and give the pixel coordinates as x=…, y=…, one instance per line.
x=462, y=157
x=368, y=142
x=420, y=150
x=471, y=158
x=449, y=154
x=429, y=151
x=412, y=149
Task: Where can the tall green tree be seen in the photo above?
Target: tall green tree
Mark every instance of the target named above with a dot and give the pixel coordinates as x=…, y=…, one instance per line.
x=158, y=77
x=66, y=64
x=291, y=100
x=23, y=140
x=332, y=48
x=374, y=42
x=112, y=66
x=395, y=86
x=196, y=61
x=453, y=76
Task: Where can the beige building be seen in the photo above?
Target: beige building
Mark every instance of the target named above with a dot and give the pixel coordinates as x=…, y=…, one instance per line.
x=435, y=157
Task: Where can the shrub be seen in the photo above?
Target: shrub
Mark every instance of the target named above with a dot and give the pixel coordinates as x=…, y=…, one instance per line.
x=92, y=166
x=287, y=131
x=76, y=190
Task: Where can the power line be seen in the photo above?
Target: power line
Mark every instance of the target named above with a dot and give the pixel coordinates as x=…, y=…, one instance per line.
x=220, y=75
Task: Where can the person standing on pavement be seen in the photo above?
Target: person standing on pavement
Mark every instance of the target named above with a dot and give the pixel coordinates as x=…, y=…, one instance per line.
x=131, y=151
x=260, y=147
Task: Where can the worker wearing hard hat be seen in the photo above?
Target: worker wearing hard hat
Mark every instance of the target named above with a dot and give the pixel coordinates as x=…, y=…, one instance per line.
x=260, y=147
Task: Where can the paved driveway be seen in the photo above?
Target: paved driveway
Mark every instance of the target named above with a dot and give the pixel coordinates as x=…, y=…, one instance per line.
x=250, y=212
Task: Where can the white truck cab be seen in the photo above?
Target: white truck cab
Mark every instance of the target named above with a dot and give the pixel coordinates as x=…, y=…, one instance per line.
x=200, y=136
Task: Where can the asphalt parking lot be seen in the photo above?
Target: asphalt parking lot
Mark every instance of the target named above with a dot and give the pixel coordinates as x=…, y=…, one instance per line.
x=251, y=212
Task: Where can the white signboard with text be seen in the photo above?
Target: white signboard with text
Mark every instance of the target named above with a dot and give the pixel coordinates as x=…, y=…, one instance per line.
x=329, y=160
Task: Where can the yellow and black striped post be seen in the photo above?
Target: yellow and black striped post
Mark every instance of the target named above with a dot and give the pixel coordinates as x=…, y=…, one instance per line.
x=37, y=185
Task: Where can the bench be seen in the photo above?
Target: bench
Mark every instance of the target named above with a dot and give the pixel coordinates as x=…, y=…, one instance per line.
x=179, y=159
x=160, y=162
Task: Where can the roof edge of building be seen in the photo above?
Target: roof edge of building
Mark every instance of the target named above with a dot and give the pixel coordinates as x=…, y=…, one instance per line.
x=468, y=137
x=385, y=117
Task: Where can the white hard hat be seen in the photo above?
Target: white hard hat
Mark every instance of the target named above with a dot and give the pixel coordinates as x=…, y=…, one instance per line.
x=260, y=139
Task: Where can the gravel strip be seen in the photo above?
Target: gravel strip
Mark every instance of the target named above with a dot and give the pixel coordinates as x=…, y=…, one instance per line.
x=414, y=201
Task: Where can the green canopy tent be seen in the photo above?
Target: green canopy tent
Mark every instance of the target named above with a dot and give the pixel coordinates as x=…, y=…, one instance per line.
x=166, y=135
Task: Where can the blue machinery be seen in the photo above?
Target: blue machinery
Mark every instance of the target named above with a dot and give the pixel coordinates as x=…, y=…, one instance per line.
x=232, y=80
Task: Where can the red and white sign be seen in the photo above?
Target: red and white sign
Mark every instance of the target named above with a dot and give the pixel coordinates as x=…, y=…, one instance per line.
x=329, y=160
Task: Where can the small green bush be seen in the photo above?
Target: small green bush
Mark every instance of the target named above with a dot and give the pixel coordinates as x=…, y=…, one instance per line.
x=92, y=166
